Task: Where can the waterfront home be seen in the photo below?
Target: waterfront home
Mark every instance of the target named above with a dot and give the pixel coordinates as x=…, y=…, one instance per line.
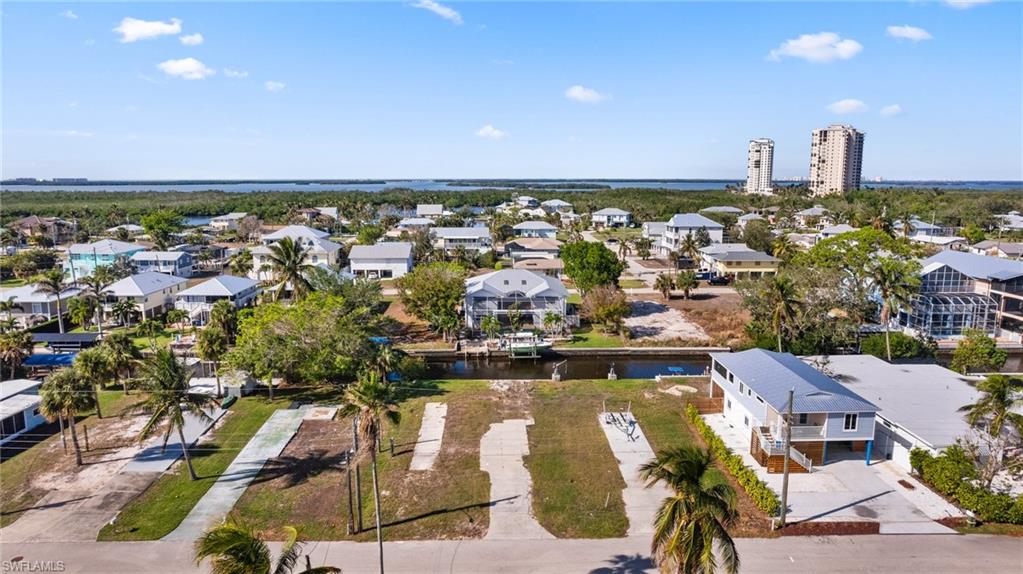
x=737, y=260
x=199, y=300
x=472, y=239
x=513, y=292
x=84, y=258
x=556, y=206
x=532, y=248
x=919, y=404
x=535, y=229
x=55, y=229
x=815, y=216
x=743, y=220
x=385, y=260
x=682, y=224
x=152, y=293
x=319, y=250
x=551, y=267
x=1003, y=249
x=19, y=408
x=610, y=217
x=430, y=210
x=829, y=420
x=178, y=263
x=1011, y=221
x=228, y=221
x=941, y=241
x=961, y=290
x=32, y=306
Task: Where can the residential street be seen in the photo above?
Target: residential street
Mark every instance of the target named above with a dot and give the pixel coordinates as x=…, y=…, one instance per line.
x=903, y=554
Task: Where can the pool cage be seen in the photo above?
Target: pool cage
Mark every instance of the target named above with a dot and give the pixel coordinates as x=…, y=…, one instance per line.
x=943, y=315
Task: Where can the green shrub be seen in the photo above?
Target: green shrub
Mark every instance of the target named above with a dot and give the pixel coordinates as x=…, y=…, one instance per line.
x=762, y=495
x=952, y=474
x=903, y=346
x=918, y=457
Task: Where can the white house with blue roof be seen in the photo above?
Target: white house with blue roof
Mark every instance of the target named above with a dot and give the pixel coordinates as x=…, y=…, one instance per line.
x=682, y=224
x=829, y=420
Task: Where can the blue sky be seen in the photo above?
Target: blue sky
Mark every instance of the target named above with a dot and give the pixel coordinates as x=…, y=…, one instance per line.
x=519, y=90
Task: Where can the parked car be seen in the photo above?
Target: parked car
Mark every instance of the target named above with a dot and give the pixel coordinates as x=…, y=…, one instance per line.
x=720, y=280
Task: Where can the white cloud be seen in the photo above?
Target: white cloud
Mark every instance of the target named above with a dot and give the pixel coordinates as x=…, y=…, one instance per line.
x=235, y=74
x=133, y=29
x=78, y=134
x=909, y=33
x=186, y=68
x=964, y=4
x=446, y=12
x=68, y=14
x=847, y=106
x=586, y=95
x=72, y=104
x=491, y=133
x=192, y=39
x=821, y=47
x=272, y=86
x=892, y=110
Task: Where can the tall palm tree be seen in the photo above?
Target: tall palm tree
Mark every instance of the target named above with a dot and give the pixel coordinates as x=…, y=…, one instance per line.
x=785, y=303
x=81, y=310
x=211, y=345
x=62, y=397
x=624, y=249
x=783, y=248
x=1001, y=397
x=15, y=347
x=373, y=400
x=387, y=360
x=896, y=281
x=287, y=260
x=687, y=282
x=150, y=328
x=235, y=549
x=224, y=316
x=168, y=400
x=52, y=283
x=689, y=247
x=7, y=307
x=491, y=326
x=123, y=309
x=665, y=283
x=94, y=368
x=694, y=519
x=240, y=263
x=93, y=287
x=176, y=317
x=123, y=354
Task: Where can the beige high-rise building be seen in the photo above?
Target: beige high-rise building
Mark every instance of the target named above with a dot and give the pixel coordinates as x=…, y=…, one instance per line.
x=836, y=159
x=760, y=166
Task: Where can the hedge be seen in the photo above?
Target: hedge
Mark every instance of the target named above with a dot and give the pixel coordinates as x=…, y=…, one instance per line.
x=762, y=495
x=952, y=474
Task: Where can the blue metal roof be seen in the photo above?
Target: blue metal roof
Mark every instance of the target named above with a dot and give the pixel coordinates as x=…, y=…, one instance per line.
x=771, y=375
x=50, y=360
x=977, y=266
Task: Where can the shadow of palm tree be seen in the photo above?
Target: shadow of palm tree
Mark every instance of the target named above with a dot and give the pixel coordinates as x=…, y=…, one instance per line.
x=295, y=470
x=626, y=564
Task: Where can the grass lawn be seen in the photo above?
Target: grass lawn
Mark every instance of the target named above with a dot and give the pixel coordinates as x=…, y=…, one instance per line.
x=13, y=282
x=163, y=506
x=619, y=233
x=632, y=284
x=162, y=340
x=574, y=299
x=17, y=471
x=1015, y=530
x=588, y=337
x=448, y=502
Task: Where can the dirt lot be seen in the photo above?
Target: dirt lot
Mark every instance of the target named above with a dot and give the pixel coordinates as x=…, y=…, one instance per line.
x=655, y=264
x=720, y=315
x=656, y=321
x=410, y=332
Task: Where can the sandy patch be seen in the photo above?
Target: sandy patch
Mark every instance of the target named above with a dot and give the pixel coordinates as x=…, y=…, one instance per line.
x=652, y=321
x=678, y=390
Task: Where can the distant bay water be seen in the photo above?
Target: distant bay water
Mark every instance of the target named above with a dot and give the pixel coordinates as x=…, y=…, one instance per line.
x=463, y=185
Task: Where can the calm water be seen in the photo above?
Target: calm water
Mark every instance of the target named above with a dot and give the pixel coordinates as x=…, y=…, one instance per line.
x=443, y=185
x=573, y=367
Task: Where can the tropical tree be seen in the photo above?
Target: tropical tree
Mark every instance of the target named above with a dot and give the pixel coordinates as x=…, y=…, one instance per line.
x=236, y=549
x=551, y=322
x=624, y=249
x=240, y=263
x=784, y=303
x=211, y=345
x=61, y=398
x=976, y=351
x=998, y=406
x=81, y=310
x=224, y=316
x=150, y=328
x=491, y=326
x=94, y=369
x=288, y=263
x=433, y=293
x=386, y=360
x=783, y=247
x=643, y=246
x=93, y=287
x=665, y=283
x=123, y=309
x=176, y=317
x=122, y=354
x=168, y=399
x=694, y=519
x=606, y=306
x=896, y=281
x=591, y=264
x=15, y=347
x=687, y=282
x=160, y=225
x=7, y=307
x=689, y=248
x=52, y=283
x=373, y=400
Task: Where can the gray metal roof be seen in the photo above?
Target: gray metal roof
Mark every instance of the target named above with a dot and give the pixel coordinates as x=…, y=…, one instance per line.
x=721, y=209
x=1005, y=246
x=772, y=374
x=104, y=247
x=975, y=265
x=506, y=281
x=294, y=231
x=384, y=250
x=461, y=232
x=220, y=286
x=745, y=256
x=158, y=255
x=533, y=225
x=611, y=211
x=143, y=284
x=693, y=221
x=13, y=387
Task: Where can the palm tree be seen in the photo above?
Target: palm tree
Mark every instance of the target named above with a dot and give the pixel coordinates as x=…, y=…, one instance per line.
x=94, y=368
x=150, y=328
x=551, y=322
x=624, y=249
x=235, y=549
x=387, y=360
x=687, y=282
x=287, y=260
x=52, y=283
x=373, y=400
x=491, y=326
x=689, y=247
x=7, y=306
x=122, y=353
x=211, y=345
x=81, y=310
x=15, y=347
x=783, y=248
x=62, y=397
x=784, y=303
x=1000, y=400
x=94, y=285
x=665, y=283
x=124, y=309
x=176, y=317
x=696, y=516
x=896, y=282
x=240, y=263
x=168, y=400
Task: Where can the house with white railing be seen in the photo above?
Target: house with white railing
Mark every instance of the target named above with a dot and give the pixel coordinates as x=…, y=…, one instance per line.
x=683, y=224
x=828, y=422
x=199, y=300
x=514, y=292
x=471, y=239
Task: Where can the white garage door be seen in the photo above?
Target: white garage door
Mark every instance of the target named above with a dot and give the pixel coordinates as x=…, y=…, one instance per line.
x=900, y=455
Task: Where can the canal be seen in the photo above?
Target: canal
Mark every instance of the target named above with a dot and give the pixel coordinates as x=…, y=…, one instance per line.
x=569, y=367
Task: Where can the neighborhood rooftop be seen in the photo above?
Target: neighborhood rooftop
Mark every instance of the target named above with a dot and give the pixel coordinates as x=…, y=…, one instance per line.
x=384, y=250
x=975, y=266
x=143, y=284
x=693, y=221
x=104, y=247
x=223, y=285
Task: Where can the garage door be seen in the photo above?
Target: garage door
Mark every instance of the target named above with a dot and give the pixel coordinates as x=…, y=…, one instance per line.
x=900, y=455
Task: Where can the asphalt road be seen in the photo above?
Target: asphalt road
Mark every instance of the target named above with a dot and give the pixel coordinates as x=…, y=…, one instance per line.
x=858, y=554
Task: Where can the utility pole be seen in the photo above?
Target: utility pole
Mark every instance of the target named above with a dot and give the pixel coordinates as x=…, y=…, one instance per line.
x=358, y=474
x=785, y=464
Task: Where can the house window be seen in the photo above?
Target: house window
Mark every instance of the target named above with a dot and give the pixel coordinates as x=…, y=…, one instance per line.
x=728, y=403
x=759, y=399
x=742, y=388
x=851, y=422
x=745, y=421
x=720, y=369
x=803, y=417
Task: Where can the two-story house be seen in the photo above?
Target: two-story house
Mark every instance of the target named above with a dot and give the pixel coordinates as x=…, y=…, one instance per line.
x=828, y=419
x=228, y=221
x=152, y=293
x=199, y=300
x=611, y=217
x=31, y=305
x=178, y=263
x=556, y=206
x=535, y=229
x=385, y=260
x=682, y=224
x=736, y=260
x=84, y=258
x=532, y=248
x=471, y=239
x=318, y=249
x=57, y=230
x=513, y=291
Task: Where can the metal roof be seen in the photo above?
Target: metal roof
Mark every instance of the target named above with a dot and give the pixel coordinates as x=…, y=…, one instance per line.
x=745, y=256
x=461, y=232
x=611, y=211
x=104, y=247
x=506, y=281
x=556, y=203
x=142, y=284
x=294, y=231
x=16, y=386
x=693, y=221
x=771, y=375
x=17, y=404
x=534, y=225
x=384, y=250
x=222, y=285
x=721, y=209
x=975, y=265
x=158, y=255
x=28, y=294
